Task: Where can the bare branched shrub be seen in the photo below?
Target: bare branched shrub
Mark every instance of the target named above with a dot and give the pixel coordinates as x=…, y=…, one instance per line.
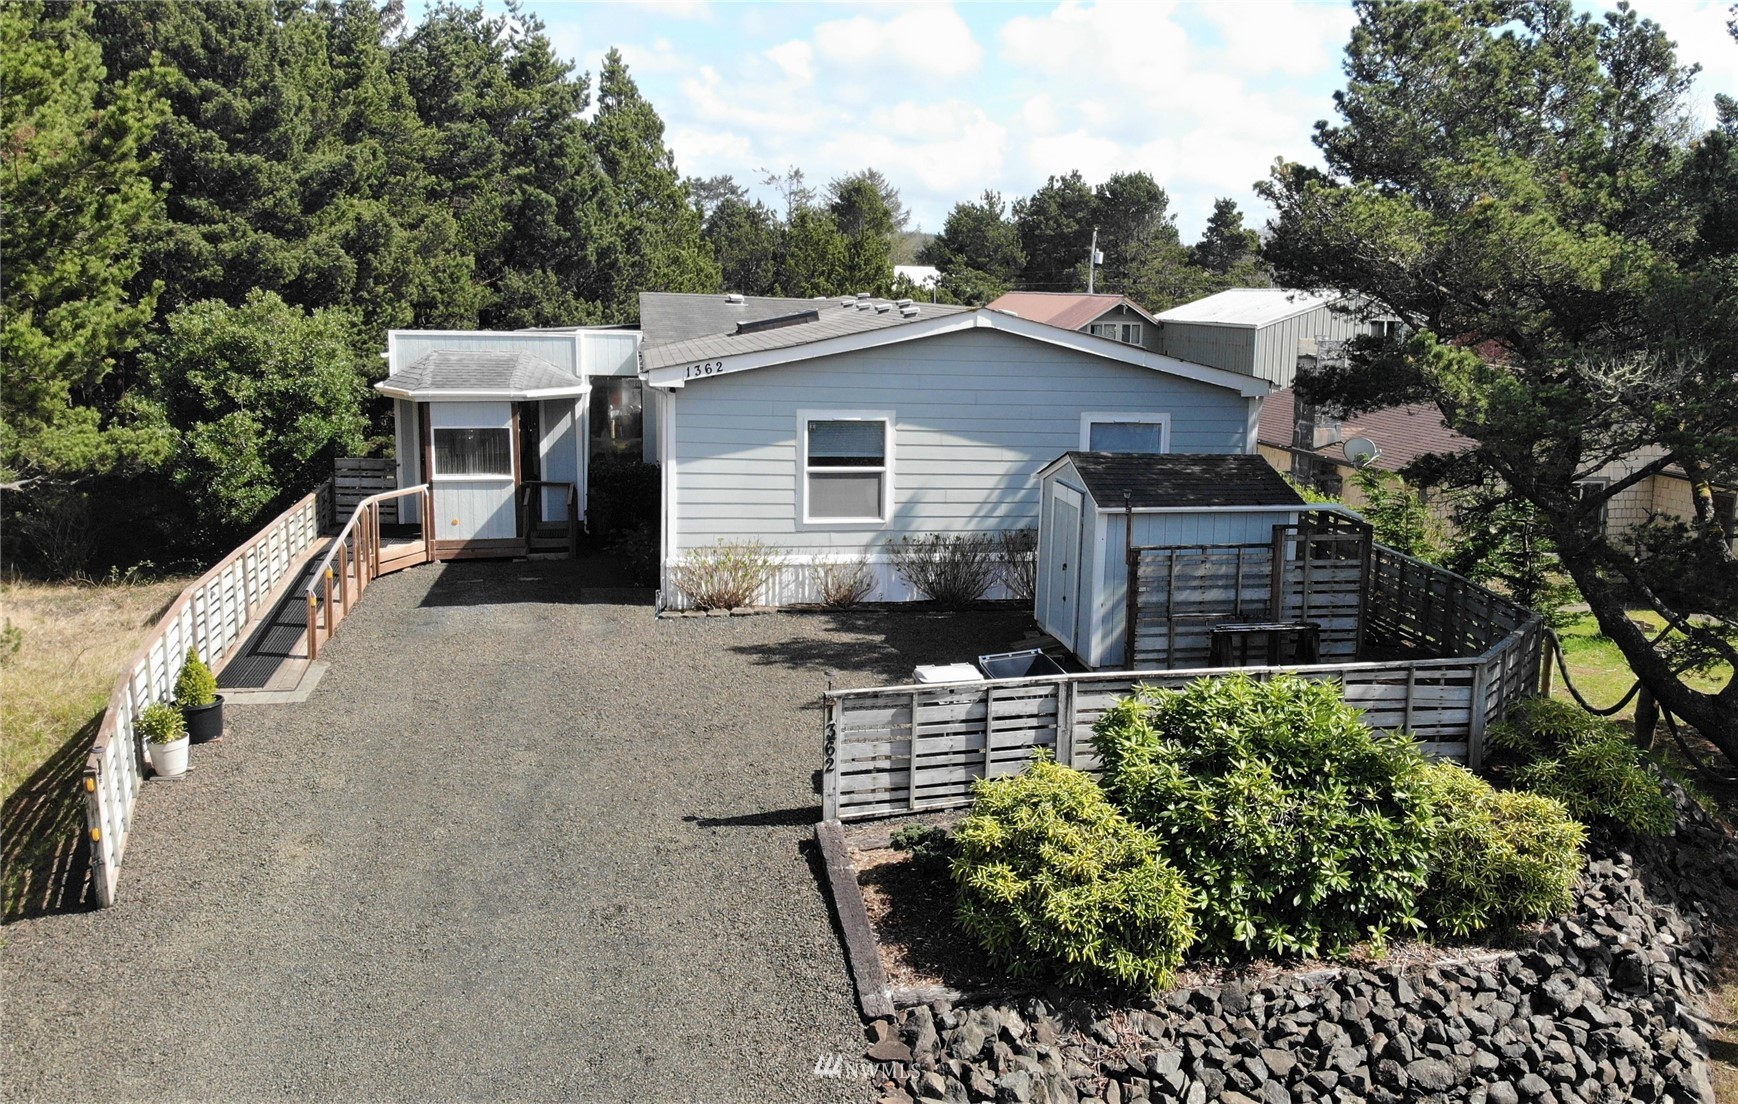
x=727, y=575
x=57, y=528
x=1019, y=567
x=844, y=583
x=953, y=570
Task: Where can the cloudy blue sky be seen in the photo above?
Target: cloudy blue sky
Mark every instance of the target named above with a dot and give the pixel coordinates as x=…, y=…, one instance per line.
x=948, y=100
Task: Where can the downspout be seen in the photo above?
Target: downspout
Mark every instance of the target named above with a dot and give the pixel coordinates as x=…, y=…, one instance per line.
x=1131, y=600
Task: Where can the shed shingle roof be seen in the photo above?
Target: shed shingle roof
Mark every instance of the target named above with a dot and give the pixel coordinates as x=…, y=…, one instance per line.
x=835, y=321
x=1182, y=479
x=476, y=371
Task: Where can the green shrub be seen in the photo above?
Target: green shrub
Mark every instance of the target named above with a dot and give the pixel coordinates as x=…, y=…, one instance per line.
x=726, y=575
x=1054, y=881
x=161, y=723
x=1497, y=856
x=951, y=570
x=197, y=686
x=637, y=548
x=1556, y=749
x=1304, y=832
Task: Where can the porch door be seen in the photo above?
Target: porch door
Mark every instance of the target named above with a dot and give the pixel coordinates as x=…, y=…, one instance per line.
x=474, y=472
x=1059, y=559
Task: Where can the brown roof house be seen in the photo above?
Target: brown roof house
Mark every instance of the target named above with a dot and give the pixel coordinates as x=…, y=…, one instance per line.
x=1116, y=317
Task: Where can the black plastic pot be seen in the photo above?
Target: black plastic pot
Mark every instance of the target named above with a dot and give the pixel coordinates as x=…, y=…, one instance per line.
x=205, y=722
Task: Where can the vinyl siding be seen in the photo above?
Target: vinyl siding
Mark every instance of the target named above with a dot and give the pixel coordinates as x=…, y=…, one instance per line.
x=1269, y=352
x=976, y=415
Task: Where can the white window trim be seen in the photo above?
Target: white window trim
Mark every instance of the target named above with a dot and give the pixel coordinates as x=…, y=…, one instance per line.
x=1089, y=417
x=804, y=417
x=1137, y=332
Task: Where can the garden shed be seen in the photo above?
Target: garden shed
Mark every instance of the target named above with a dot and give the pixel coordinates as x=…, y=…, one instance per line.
x=1210, y=521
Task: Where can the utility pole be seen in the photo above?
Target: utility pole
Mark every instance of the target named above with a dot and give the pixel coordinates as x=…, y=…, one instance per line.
x=1093, y=257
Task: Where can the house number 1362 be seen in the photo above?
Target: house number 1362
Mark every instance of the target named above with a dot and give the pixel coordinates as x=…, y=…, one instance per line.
x=710, y=368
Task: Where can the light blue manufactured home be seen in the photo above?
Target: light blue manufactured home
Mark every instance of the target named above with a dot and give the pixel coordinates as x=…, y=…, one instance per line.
x=824, y=428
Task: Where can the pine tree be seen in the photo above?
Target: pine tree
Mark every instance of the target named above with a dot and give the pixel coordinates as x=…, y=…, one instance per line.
x=79, y=208
x=655, y=229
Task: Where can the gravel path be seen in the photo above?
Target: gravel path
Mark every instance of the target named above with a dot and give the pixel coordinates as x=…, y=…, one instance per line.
x=524, y=842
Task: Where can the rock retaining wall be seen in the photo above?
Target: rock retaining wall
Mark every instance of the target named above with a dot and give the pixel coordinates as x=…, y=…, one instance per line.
x=1596, y=1010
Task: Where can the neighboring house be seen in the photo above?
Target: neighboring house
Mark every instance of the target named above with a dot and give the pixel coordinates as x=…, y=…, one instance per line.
x=824, y=428
x=1261, y=331
x=1116, y=317
x=927, y=277
x=1310, y=448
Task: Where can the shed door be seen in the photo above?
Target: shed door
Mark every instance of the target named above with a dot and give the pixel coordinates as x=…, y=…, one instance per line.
x=473, y=477
x=1059, y=559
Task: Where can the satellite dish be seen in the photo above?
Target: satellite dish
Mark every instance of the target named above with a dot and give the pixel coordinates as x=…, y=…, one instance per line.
x=1360, y=451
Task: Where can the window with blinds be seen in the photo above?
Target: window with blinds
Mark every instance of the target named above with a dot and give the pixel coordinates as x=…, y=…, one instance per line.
x=845, y=469
x=473, y=452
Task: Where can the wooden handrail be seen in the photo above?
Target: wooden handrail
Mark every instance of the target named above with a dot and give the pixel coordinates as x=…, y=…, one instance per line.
x=354, y=561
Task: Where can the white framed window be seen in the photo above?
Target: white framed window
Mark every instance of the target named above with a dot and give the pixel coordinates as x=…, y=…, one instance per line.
x=1125, y=431
x=473, y=451
x=845, y=466
x=1388, y=329
x=1129, y=333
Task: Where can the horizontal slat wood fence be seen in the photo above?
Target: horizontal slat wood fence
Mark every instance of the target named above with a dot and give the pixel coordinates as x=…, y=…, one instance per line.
x=358, y=556
x=898, y=749
x=355, y=478
x=214, y=615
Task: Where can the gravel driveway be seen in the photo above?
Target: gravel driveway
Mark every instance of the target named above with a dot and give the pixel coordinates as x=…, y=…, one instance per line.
x=523, y=842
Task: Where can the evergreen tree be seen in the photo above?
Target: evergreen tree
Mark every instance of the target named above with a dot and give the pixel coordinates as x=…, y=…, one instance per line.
x=1226, y=247
x=745, y=238
x=1514, y=182
x=1055, y=226
x=860, y=213
x=813, y=256
x=79, y=207
x=978, y=250
x=898, y=214
x=655, y=231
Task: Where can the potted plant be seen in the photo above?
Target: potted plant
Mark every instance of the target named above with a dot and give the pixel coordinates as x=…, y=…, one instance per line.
x=165, y=733
x=196, y=694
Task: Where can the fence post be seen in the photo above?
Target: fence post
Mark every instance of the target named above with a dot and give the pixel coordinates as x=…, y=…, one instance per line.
x=1475, y=722
x=829, y=758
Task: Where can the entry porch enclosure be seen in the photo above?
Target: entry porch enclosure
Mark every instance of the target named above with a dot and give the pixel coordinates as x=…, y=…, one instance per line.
x=501, y=428
x=1419, y=649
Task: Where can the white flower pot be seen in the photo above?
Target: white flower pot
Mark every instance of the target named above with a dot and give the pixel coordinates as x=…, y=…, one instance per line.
x=170, y=759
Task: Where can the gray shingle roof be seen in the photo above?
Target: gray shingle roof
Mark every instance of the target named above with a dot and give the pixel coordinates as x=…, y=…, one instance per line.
x=835, y=321
x=667, y=316
x=1182, y=479
x=472, y=370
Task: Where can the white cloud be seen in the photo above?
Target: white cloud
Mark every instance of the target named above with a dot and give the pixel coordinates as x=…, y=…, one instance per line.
x=795, y=58
x=930, y=42
x=1296, y=39
x=1699, y=29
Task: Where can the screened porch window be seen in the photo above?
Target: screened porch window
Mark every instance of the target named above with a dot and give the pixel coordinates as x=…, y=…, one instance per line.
x=473, y=452
x=1144, y=433
x=845, y=469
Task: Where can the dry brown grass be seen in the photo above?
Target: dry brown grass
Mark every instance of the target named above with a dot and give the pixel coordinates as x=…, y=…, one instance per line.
x=71, y=640
x=74, y=639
